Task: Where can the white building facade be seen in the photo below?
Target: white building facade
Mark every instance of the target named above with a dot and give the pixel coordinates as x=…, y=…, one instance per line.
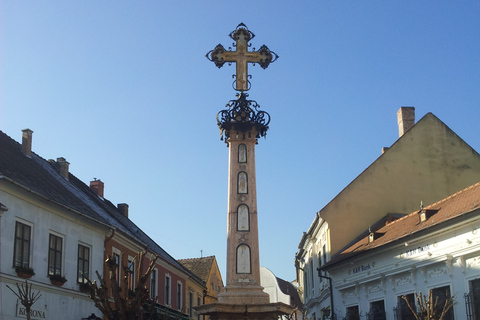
x=314, y=253
x=45, y=231
x=408, y=256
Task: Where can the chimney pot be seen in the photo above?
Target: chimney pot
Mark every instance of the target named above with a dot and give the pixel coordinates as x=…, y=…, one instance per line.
x=27, y=142
x=97, y=186
x=64, y=164
x=123, y=207
x=406, y=119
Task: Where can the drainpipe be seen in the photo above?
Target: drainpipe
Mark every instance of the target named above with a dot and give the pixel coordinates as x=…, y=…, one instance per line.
x=2, y=210
x=332, y=316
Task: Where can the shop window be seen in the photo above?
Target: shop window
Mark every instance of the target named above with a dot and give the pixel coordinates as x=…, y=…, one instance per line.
x=402, y=311
x=377, y=311
x=472, y=300
x=443, y=293
x=352, y=313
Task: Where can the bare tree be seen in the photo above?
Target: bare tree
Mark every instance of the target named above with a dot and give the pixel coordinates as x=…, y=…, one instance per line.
x=27, y=296
x=429, y=309
x=115, y=304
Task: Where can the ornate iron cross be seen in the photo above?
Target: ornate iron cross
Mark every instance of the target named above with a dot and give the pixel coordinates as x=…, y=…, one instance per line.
x=241, y=56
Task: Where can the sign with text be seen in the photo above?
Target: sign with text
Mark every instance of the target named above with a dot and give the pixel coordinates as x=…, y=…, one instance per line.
x=35, y=313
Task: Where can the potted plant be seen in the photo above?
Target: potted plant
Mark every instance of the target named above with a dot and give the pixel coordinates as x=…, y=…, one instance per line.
x=24, y=272
x=57, y=279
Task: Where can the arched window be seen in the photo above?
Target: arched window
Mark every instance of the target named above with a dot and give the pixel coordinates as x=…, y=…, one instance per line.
x=242, y=153
x=243, y=259
x=242, y=182
x=243, y=219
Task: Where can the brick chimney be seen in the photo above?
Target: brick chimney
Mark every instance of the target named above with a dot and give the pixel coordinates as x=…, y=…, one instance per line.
x=27, y=142
x=123, y=207
x=406, y=119
x=97, y=186
x=63, y=167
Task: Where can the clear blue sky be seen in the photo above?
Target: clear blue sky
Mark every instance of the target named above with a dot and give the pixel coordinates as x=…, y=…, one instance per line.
x=123, y=91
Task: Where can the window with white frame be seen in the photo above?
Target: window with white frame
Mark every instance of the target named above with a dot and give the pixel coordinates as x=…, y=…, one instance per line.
x=441, y=295
x=312, y=276
x=153, y=285
x=22, y=244
x=55, y=255
x=116, y=253
x=83, y=263
x=190, y=304
x=199, y=302
x=179, y=295
x=168, y=289
x=131, y=273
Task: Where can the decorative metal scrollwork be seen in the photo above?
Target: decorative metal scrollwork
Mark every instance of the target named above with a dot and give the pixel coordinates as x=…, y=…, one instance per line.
x=242, y=116
x=241, y=56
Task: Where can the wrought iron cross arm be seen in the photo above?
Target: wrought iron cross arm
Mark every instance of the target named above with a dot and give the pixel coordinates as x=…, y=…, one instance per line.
x=216, y=55
x=264, y=56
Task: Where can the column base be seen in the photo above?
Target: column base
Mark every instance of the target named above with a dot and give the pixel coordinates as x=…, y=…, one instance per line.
x=224, y=311
x=243, y=295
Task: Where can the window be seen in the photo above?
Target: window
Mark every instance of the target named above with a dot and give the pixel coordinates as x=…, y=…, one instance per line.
x=199, y=302
x=443, y=293
x=83, y=264
x=179, y=295
x=352, y=313
x=472, y=300
x=320, y=263
x=167, y=290
x=153, y=285
x=55, y=255
x=312, y=275
x=190, y=304
x=402, y=311
x=377, y=311
x=116, y=255
x=21, y=253
x=131, y=273
x=305, y=282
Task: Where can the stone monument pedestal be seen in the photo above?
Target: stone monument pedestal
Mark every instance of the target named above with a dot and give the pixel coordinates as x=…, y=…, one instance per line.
x=226, y=311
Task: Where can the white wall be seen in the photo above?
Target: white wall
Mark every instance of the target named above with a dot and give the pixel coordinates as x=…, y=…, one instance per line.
x=447, y=258
x=64, y=302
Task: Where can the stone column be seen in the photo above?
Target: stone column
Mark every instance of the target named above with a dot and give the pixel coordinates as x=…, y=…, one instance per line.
x=243, y=264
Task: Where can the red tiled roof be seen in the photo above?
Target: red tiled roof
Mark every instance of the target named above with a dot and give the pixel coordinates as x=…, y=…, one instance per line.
x=200, y=267
x=443, y=211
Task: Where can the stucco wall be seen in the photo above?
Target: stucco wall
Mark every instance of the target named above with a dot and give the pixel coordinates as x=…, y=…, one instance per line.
x=428, y=163
x=65, y=302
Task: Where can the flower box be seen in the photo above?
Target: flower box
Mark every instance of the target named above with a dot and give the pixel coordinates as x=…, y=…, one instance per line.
x=57, y=280
x=24, y=272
